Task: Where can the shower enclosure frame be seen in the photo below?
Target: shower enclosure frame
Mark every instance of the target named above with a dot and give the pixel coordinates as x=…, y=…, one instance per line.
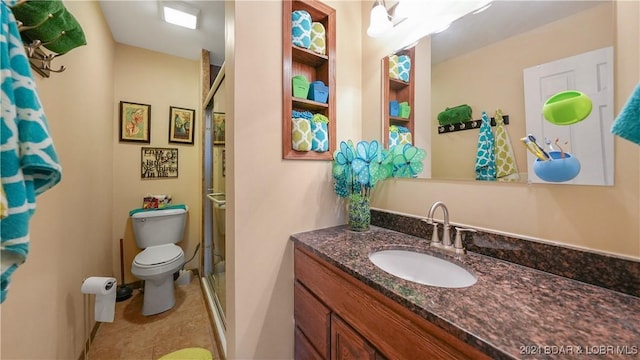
x=208, y=280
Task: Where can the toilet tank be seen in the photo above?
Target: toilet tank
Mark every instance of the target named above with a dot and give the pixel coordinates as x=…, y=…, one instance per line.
x=159, y=227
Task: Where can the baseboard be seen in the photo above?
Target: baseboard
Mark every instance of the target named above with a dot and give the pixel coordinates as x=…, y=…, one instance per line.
x=136, y=285
x=87, y=344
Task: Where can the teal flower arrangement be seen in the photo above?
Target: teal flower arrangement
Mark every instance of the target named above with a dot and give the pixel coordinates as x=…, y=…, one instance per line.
x=357, y=169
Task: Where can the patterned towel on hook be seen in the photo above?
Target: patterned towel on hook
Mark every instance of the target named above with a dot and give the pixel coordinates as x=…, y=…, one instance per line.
x=29, y=161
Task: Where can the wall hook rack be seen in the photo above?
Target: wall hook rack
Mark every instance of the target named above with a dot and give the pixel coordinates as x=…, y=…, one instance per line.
x=48, y=31
x=40, y=60
x=468, y=125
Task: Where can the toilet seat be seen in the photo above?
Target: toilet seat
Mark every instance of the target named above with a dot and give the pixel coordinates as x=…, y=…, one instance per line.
x=155, y=256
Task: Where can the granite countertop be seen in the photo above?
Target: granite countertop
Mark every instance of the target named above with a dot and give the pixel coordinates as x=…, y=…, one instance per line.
x=512, y=312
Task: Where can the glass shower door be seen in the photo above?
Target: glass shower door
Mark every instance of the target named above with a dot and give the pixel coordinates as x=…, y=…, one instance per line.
x=215, y=207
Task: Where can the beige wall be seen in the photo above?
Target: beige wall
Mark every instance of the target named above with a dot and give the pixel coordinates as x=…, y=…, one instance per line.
x=269, y=198
x=160, y=80
x=76, y=229
x=599, y=218
x=42, y=317
x=491, y=77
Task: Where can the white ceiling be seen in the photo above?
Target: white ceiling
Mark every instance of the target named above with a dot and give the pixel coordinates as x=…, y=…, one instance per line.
x=139, y=23
x=501, y=20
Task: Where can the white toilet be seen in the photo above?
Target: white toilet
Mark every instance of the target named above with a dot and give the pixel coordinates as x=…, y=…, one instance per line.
x=157, y=232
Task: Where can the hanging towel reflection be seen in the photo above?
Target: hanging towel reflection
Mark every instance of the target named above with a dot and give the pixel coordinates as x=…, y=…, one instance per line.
x=485, y=156
x=506, y=167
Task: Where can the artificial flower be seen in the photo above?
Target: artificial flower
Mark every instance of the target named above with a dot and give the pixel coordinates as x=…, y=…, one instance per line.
x=407, y=160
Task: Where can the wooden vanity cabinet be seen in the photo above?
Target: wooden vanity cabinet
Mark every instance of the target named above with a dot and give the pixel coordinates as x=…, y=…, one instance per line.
x=346, y=343
x=312, y=322
x=361, y=322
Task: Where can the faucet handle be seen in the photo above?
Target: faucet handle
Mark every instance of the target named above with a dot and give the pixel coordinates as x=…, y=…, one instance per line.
x=457, y=244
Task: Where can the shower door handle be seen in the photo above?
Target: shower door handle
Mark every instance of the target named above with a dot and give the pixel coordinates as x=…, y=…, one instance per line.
x=218, y=202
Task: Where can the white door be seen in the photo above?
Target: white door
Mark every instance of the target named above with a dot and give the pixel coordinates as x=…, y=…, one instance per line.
x=590, y=141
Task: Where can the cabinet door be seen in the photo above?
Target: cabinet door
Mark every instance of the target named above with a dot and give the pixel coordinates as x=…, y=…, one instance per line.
x=347, y=344
x=312, y=319
x=303, y=350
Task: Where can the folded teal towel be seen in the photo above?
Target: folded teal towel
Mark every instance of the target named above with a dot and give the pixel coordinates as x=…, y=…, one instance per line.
x=627, y=124
x=394, y=138
x=485, y=157
x=320, y=136
x=177, y=206
x=62, y=31
x=301, y=28
x=302, y=115
x=29, y=160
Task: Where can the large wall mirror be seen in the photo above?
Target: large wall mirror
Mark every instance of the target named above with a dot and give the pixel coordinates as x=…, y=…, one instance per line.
x=481, y=60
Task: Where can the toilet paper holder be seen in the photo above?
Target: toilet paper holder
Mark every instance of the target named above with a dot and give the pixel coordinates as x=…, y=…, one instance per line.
x=105, y=296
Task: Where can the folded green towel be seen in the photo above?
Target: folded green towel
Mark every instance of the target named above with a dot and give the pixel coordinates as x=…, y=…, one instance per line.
x=32, y=13
x=319, y=118
x=178, y=206
x=71, y=39
x=62, y=30
x=455, y=115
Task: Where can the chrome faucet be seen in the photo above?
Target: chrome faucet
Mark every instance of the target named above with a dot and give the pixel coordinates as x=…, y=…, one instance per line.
x=446, y=238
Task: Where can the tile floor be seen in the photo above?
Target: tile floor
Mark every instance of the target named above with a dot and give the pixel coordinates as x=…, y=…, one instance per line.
x=136, y=337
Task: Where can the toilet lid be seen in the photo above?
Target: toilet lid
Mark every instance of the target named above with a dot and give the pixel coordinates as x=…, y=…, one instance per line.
x=156, y=255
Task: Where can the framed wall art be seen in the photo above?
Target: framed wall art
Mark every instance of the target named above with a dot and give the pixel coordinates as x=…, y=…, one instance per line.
x=181, y=125
x=135, y=122
x=218, y=128
x=159, y=163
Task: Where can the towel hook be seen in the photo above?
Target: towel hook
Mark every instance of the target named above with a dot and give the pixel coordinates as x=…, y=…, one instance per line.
x=31, y=49
x=22, y=27
x=62, y=33
x=46, y=63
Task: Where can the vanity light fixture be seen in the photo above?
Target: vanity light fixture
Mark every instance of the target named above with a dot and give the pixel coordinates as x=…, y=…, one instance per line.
x=179, y=13
x=483, y=7
x=438, y=15
x=380, y=21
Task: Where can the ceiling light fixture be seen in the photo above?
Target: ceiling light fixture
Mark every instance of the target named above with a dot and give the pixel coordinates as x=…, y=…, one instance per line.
x=180, y=14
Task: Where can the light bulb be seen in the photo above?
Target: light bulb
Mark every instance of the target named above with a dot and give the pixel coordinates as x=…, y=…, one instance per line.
x=379, y=22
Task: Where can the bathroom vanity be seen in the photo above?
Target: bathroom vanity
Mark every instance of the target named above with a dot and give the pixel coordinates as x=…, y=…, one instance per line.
x=345, y=319
x=346, y=307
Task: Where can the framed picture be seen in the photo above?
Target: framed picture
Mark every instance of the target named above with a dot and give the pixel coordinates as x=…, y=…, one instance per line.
x=181, y=125
x=158, y=163
x=135, y=122
x=218, y=128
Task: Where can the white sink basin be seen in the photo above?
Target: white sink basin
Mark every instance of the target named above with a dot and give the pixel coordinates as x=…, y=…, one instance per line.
x=422, y=268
